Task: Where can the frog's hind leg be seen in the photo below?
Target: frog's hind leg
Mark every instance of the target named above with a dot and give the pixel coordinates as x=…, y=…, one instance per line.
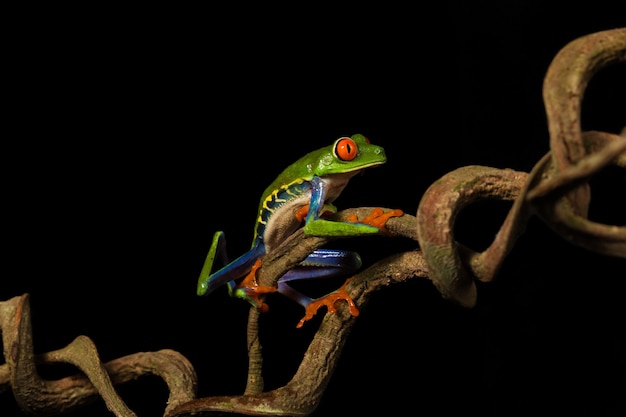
x=208, y=282
x=322, y=263
x=250, y=290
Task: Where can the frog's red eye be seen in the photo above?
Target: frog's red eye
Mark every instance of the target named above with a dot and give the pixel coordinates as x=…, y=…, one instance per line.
x=346, y=149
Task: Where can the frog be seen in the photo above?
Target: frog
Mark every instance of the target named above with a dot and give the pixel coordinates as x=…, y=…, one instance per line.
x=302, y=196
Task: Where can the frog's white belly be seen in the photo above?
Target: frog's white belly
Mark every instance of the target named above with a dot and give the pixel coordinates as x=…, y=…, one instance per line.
x=282, y=222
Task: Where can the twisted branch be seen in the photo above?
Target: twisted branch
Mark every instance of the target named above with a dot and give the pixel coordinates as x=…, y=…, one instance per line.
x=451, y=266
x=301, y=395
x=39, y=396
x=564, y=207
x=556, y=190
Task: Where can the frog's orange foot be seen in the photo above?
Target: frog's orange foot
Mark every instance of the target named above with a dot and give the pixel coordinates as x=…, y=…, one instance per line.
x=329, y=301
x=377, y=218
x=303, y=211
x=250, y=290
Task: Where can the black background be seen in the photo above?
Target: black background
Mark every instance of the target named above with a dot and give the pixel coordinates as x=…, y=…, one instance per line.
x=136, y=134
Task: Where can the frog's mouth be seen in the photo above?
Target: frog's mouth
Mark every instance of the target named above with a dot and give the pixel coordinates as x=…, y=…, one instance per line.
x=360, y=170
x=366, y=166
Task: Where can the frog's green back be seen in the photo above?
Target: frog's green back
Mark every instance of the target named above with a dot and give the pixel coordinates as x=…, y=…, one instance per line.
x=324, y=161
x=345, y=155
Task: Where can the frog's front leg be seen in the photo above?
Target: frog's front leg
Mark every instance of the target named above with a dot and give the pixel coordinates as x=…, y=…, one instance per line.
x=315, y=225
x=377, y=218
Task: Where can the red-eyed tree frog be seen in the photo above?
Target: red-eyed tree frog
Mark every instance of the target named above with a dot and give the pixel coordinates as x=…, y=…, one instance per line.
x=304, y=191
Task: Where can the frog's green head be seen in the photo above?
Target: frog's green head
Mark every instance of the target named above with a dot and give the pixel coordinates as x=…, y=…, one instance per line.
x=347, y=154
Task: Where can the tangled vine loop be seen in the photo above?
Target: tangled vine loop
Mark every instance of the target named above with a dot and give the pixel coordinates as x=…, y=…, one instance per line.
x=556, y=190
x=39, y=396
